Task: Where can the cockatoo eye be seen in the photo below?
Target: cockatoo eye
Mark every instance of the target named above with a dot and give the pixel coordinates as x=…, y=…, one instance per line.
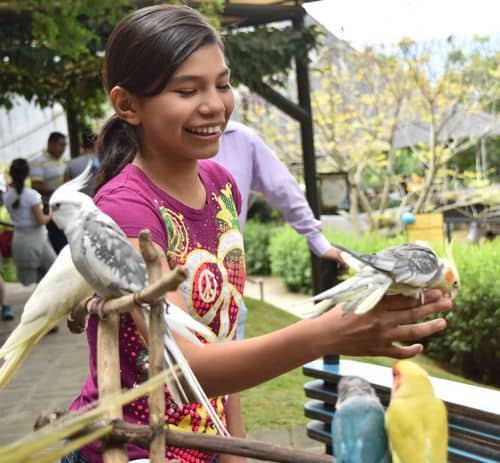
x=56, y=206
x=455, y=284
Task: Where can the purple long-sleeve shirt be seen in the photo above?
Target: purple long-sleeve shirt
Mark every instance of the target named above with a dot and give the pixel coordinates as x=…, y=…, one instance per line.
x=255, y=168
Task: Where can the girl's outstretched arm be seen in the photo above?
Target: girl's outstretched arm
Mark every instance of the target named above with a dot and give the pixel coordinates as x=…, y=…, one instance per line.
x=229, y=367
x=238, y=365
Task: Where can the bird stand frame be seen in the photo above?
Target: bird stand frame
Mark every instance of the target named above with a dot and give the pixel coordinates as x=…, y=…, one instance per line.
x=108, y=422
x=108, y=361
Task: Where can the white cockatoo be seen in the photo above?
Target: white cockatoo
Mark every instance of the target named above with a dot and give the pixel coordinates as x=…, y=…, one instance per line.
x=103, y=255
x=408, y=269
x=61, y=289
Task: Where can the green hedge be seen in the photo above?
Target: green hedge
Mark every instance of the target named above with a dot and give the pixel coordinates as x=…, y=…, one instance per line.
x=256, y=236
x=471, y=340
x=290, y=259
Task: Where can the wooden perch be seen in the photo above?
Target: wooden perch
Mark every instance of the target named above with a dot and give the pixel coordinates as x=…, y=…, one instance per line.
x=156, y=399
x=108, y=379
x=148, y=295
x=141, y=435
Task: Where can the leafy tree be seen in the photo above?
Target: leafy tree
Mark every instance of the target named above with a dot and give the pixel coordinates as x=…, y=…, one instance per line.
x=363, y=100
x=52, y=51
x=468, y=83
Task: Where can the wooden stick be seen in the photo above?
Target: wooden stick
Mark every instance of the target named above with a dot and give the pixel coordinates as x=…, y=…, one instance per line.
x=141, y=435
x=108, y=379
x=152, y=292
x=156, y=399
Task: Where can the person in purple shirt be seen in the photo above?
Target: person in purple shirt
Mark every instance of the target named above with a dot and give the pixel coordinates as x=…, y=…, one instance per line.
x=256, y=168
x=168, y=82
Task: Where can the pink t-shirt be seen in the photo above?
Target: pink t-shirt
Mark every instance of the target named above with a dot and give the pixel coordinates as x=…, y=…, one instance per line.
x=208, y=242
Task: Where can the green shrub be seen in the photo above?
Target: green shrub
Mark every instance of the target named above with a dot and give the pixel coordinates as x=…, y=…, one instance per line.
x=366, y=243
x=256, y=236
x=290, y=259
x=471, y=340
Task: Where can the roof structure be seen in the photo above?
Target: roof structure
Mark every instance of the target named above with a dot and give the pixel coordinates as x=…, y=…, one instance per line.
x=461, y=125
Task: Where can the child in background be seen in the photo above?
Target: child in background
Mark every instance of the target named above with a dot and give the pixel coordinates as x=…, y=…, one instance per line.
x=31, y=249
x=169, y=85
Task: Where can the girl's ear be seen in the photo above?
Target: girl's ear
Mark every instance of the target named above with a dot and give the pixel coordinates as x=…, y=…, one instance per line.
x=124, y=104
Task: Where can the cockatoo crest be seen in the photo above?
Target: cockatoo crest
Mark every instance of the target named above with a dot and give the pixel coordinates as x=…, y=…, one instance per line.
x=66, y=202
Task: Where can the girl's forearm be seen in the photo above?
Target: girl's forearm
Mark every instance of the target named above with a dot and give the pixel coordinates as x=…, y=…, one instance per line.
x=233, y=366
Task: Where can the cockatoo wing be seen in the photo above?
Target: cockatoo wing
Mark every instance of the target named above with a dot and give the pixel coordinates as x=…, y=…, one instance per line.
x=360, y=293
x=107, y=260
x=414, y=265
x=61, y=289
x=195, y=388
x=186, y=326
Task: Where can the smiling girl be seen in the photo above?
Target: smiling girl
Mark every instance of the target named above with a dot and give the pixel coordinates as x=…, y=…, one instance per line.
x=168, y=82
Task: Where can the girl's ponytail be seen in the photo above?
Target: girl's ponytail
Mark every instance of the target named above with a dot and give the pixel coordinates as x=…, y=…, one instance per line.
x=117, y=145
x=19, y=171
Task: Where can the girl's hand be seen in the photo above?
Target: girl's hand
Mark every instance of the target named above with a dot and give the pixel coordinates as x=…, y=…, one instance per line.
x=394, y=319
x=224, y=458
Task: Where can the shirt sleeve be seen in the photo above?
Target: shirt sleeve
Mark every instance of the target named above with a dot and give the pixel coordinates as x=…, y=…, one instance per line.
x=33, y=197
x=133, y=213
x=36, y=170
x=272, y=178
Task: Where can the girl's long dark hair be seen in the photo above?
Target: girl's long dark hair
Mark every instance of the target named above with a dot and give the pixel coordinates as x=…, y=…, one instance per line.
x=19, y=171
x=143, y=52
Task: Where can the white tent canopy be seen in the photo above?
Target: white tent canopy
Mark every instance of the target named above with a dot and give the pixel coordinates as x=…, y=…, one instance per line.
x=368, y=23
x=25, y=128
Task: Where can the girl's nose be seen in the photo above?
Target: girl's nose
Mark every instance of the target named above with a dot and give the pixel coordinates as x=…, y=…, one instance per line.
x=212, y=103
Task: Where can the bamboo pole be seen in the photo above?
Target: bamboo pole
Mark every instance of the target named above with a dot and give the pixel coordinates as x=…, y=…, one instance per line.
x=140, y=435
x=108, y=379
x=127, y=303
x=156, y=399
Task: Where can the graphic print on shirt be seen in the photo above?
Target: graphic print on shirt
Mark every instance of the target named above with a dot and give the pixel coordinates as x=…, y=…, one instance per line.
x=216, y=274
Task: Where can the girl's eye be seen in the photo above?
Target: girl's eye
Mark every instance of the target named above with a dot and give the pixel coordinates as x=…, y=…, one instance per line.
x=224, y=87
x=186, y=92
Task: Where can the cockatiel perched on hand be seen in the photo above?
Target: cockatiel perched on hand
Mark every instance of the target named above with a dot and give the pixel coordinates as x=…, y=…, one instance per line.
x=103, y=255
x=408, y=269
x=358, y=429
x=416, y=420
x=61, y=289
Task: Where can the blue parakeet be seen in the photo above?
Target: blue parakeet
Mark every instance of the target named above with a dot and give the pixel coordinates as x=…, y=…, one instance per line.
x=358, y=429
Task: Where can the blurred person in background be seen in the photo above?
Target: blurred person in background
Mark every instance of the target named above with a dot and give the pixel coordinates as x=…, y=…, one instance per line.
x=47, y=174
x=89, y=155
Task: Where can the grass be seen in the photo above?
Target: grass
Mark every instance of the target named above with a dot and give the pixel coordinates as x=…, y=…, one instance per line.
x=279, y=403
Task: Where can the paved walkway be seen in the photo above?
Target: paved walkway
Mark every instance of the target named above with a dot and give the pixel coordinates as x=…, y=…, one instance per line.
x=274, y=292
x=57, y=366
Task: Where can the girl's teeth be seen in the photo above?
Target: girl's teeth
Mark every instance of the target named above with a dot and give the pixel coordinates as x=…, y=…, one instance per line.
x=206, y=130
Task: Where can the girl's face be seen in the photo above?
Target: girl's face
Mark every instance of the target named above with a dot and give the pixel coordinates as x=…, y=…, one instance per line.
x=187, y=118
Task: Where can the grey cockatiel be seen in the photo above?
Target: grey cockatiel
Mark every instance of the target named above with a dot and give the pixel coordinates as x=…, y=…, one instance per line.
x=408, y=269
x=358, y=426
x=103, y=255
x=61, y=289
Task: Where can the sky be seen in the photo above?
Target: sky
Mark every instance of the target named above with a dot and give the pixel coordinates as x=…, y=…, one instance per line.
x=375, y=22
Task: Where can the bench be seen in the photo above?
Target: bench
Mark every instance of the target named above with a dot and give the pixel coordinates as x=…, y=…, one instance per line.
x=473, y=412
